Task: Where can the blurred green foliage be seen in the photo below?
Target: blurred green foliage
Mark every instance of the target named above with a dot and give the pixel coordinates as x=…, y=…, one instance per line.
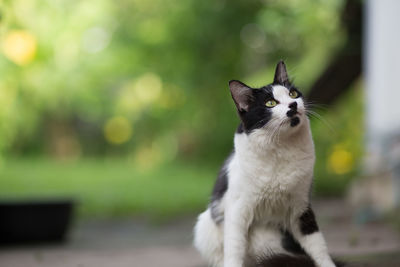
x=147, y=79
x=338, y=136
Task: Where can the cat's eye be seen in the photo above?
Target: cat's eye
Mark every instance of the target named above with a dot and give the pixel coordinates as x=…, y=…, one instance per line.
x=271, y=103
x=293, y=94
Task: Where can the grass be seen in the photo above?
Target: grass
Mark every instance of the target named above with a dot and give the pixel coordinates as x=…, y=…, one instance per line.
x=115, y=187
x=110, y=187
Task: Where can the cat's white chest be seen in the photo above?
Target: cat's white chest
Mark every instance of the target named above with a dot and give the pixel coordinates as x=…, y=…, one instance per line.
x=277, y=172
x=281, y=174
x=274, y=181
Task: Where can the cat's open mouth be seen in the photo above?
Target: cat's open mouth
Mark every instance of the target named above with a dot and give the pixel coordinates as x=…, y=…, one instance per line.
x=294, y=121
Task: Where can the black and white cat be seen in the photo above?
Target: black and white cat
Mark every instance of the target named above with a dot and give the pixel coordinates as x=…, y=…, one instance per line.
x=260, y=213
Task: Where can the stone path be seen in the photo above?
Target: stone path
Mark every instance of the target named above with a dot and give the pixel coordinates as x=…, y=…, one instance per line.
x=128, y=242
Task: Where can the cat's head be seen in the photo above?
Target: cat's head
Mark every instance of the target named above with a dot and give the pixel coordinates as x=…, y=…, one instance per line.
x=278, y=106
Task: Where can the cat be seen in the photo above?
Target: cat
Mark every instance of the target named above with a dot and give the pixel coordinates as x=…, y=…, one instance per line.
x=260, y=212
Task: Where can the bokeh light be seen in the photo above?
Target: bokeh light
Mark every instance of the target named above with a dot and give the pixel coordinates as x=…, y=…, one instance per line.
x=118, y=130
x=148, y=88
x=95, y=40
x=341, y=160
x=19, y=46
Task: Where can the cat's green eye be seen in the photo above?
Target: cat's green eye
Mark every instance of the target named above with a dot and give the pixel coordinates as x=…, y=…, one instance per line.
x=271, y=103
x=293, y=94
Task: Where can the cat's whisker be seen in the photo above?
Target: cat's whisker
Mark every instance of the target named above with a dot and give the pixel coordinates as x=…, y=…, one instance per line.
x=317, y=116
x=274, y=133
x=274, y=137
x=315, y=106
x=271, y=130
x=280, y=128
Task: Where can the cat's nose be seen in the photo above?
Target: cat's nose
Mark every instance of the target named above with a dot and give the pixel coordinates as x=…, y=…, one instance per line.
x=293, y=109
x=293, y=105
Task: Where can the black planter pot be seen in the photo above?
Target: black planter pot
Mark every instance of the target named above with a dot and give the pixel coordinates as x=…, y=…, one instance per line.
x=34, y=221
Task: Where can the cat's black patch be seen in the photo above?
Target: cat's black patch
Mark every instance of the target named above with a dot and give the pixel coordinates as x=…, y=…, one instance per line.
x=294, y=121
x=293, y=106
x=308, y=224
x=240, y=129
x=293, y=109
x=290, y=244
x=221, y=185
x=219, y=190
x=291, y=113
x=258, y=115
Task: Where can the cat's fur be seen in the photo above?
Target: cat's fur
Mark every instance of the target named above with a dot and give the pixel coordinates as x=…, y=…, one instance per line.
x=260, y=214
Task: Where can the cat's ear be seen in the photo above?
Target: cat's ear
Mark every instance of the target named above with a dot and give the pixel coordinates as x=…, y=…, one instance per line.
x=242, y=95
x=281, y=76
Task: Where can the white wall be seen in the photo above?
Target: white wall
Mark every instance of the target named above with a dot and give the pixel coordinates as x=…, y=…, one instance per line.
x=382, y=69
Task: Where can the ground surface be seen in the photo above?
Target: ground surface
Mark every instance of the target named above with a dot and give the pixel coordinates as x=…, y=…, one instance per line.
x=129, y=242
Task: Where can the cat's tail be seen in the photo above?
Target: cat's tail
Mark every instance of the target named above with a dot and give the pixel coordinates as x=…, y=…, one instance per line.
x=284, y=260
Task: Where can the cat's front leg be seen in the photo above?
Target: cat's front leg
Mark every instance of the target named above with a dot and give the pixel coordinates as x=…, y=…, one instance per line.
x=236, y=227
x=305, y=230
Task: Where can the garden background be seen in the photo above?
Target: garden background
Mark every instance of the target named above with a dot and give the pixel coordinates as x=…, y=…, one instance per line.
x=125, y=107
